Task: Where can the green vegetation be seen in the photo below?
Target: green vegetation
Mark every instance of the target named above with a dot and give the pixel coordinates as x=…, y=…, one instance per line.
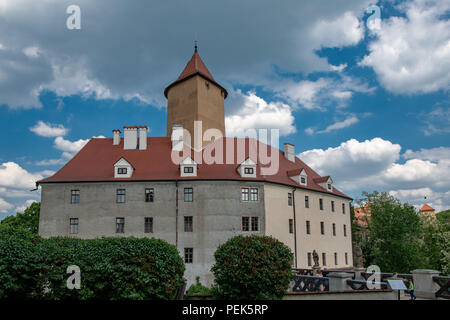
x=252, y=268
x=198, y=288
x=28, y=220
x=398, y=239
x=111, y=268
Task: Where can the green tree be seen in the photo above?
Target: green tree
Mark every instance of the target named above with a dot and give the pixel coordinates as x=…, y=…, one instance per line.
x=394, y=234
x=28, y=220
x=436, y=244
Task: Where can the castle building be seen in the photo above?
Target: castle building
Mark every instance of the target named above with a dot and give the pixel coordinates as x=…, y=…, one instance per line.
x=131, y=185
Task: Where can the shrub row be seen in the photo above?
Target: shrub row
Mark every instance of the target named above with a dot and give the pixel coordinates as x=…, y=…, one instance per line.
x=111, y=268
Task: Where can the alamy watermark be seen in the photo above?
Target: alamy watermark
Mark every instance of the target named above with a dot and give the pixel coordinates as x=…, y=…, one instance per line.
x=74, y=280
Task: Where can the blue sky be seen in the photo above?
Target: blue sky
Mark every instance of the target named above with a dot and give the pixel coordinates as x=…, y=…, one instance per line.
x=367, y=105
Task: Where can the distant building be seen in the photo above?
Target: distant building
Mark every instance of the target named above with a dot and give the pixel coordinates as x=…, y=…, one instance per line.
x=129, y=186
x=362, y=215
x=427, y=211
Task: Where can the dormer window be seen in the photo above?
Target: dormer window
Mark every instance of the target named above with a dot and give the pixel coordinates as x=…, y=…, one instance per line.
x=325, y=182
x=329, y=187
x=188, y=167
x=247, y=169
x=123, y=169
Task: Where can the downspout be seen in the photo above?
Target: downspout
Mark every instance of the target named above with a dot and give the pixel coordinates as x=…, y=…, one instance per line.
x=295, y=227
x=176, y=214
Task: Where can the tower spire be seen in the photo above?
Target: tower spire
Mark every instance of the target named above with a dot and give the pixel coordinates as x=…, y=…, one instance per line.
x=196, y=45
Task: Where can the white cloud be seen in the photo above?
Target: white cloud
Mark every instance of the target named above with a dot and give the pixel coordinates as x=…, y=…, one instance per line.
x=412, y=54
x=5, y=206
x=51, y=162
x=437, y=121
x=31, y=52
x=13, y=175
x=49, y=130
x=335, y=126
x=21, y=208
x=70, y=148
x=256, y=113
x=434, y=154
x=438, y=200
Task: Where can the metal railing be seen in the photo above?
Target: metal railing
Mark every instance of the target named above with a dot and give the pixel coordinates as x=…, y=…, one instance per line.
x=310, y=284
x=444, y=284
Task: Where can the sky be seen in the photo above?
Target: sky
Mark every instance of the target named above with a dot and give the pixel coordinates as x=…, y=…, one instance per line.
x=361, y=88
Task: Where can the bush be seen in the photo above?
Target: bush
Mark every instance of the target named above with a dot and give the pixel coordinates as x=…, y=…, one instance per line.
x=252, y=268
x=198, y=288
x=111, y=268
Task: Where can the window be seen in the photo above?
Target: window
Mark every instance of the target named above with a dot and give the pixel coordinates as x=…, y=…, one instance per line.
x=306, y=202
x=289, y=199
x=254, y=223
x=245, y=224
x=188, y=170
x=120, y=225
x=291, y=226
x=253, y=194
x=149, y=195
x=346, y=258
x=148, y=225
x=308, y=227
x=75, y=196
x=321, y=204
x=334, y=229
x=335, y=259
x=324, y=259
x=188, y=224
x=120, y=196
x=188, y=255
x=329, y=186
x=309, y=259
x=332, y=206
x=345, y=230
x=73, y=225
x=244, y=194
x=343, y=208
x=249, y=171
x=121, y=170
x=188, y=195
x=322, y=228
x=303, y=180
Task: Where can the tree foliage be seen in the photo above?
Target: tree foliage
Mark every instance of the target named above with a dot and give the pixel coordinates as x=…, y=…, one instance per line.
x=28, y=220
x=254, y=267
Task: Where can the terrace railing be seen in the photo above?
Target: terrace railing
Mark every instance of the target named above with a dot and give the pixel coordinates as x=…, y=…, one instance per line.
x=310, y=284
x=444, y=284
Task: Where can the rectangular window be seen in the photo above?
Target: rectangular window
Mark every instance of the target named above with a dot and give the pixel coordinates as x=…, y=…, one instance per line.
x=120, y=196
x=309, y=259
x=188, y=255
x=334, y=229
x=302, y=180
x=245, y=224
x=249, y=170
x=345, y=230
x=73, y=225
x=321, y=204
x=120, y=225
x=188, y=224
x=291, y=225
x=254, y=223
x=149, y=195
x=343, y=208
x=308, y=227
x=335, y=259
x=122, y=170
x=188, y=169
x=253, y=194
x=188, y=195
x=346, y=258
x=322, y=228
x=306, y=202
x=148, y=225
x=244, y=194
x=324, y=259
x=332, y=206
x=289, y=199
x=75, y=196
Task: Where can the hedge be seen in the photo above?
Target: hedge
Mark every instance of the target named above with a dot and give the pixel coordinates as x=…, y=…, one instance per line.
x=252, y=268
x=111, y=268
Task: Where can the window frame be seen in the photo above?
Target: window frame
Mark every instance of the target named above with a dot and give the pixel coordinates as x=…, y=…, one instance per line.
x=245, y=224
x=307, y=202
x=332, y=206
x=148, y=225
x=254, y=194
x=74, y=225
x=322, y=227
x=321, y=204
x=309, y=259
x=120, y=221
x=324, y=259
x=308, y=227
x=189, y=194
x=75, y=194
x=290, y=199
x=122, y=171
x=149, y=194
x=249, y=170
x=334, y=229
x=188, y=224
x=188, y=169
x=291, y=226
x=119, y=196
x=189, y=255
x=254, y=224
x=335, y=259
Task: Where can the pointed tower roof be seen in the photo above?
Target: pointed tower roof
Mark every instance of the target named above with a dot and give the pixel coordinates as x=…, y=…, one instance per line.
x=426, y=207
x=195, y=66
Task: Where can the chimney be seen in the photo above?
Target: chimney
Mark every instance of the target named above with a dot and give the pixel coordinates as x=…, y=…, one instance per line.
x=177, y=137
x=289, y=152
x=116, y=137
x=130, y=138
x=143, y=137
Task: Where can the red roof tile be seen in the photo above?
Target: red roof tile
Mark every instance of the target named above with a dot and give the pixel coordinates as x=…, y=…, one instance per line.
x=426, y=207
x=95, y=162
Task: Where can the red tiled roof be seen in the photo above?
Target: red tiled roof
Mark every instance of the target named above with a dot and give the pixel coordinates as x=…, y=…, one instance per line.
x=95, y=162
x=195, y=66
x=322, y=179
x=426, y=207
